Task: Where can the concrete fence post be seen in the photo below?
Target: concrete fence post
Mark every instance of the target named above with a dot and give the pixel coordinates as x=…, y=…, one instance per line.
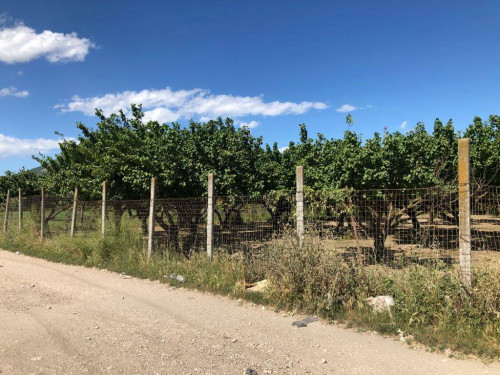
x=464, y=228
x=151, y=224
x=73, y=214
x=103, y=213
x=299, y=208
x=210, y=215
x=42, y=214
x=6, y=220
x=20, y=208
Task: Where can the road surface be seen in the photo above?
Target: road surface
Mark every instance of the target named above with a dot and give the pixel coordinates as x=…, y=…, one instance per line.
x=61, y=319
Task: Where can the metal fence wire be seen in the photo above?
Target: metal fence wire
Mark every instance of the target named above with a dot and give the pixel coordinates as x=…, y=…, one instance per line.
x=180, y=224
x=31, y=211
x=248, y=223
x=389, y=224
x=58, y=211
x=485, y=225
x=380, y=225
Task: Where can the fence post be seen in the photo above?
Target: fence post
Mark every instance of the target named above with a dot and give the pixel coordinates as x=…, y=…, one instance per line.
x=464, y=228
x=210, y=215
x=151, y=226
x=299, y=198
x=73, y=215
x=103, y=213
x=7, y=203
x=20, y=208
x=42, y=214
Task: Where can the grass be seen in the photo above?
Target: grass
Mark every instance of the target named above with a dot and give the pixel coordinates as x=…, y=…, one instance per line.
x=431, y=305
x=122, y=250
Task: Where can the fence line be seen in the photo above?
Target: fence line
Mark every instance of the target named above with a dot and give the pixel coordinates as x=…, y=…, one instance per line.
x=381, y=225
x=447, y=224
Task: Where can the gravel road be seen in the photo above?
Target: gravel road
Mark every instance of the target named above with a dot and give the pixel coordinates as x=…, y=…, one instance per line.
x=60, y=319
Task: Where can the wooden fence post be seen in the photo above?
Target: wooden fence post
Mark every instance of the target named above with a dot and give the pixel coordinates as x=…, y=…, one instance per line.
x=103, y=213
x=210, y=215
x=73, y=215
x=151, y=226
x=42, y=214
x=299, y=208
x=7, y=203
x=464, y=228
x=20, y=208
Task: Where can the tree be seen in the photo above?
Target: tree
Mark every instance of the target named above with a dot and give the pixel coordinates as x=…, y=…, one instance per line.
x=127, y=152
x=28, y=181
x=485, y=150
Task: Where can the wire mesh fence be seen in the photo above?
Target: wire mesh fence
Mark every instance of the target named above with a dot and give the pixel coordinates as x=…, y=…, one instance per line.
x=88, y=217
x=248, y=223
x=58, y=211
x=485, y=225
x=392, y=226
x=407, y=225
x=30, y=211
x=180, y=224
x=11, y=213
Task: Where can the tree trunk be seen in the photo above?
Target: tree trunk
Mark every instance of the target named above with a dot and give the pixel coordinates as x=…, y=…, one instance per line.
x=414, y=220
x=379, y=236
x=379, y=243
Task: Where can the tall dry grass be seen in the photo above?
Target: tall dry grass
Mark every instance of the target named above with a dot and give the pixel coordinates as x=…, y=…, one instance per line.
x=431, y=304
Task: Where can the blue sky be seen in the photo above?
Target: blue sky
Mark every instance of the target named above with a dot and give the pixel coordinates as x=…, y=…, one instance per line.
x=267, y=64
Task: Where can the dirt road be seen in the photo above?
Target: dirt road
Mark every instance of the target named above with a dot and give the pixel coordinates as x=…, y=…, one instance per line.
x=59, y=319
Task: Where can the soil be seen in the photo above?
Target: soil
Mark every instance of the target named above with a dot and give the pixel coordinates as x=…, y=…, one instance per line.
x=61, y=319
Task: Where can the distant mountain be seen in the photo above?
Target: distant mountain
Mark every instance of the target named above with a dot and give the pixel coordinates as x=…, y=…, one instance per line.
x=38, y=170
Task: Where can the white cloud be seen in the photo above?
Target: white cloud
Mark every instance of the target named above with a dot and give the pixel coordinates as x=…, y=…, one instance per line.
x=250, y=125
x=403, y=124
x=11, y=146
x=12, y=91
x=20, y=43
x=283, y=149
x=347, y=108
x=169, y=105
x=351, y=108
x=205, y=119
x=20, y=73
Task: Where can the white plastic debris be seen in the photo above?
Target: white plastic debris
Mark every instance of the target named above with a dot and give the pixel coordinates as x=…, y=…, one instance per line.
x=180, y=278
x=381, y=303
